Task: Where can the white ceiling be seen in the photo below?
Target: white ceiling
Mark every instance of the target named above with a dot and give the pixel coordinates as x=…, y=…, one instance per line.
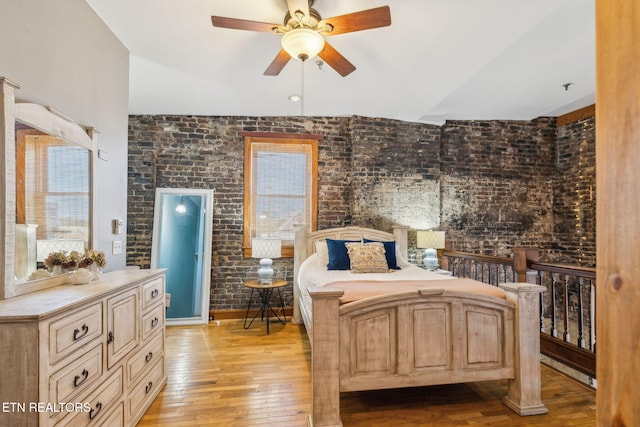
x=439, y=59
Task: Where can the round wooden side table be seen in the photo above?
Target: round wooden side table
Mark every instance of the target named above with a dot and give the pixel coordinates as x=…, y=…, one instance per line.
x=265, y=291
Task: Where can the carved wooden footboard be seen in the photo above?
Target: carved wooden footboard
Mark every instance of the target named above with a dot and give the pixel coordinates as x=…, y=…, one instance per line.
x=417, y=338
x=424, y=337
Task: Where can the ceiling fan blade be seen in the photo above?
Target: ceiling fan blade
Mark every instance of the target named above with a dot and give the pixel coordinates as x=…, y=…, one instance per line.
x=336, y=60
x=298, y=5
x=242, y=24
x=278, y=63
x=358, y=21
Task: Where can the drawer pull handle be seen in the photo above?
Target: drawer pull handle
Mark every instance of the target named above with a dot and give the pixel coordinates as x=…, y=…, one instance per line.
x=110, y=337
x=77, y=333
x=148, y=357
x=154, y=293
x=154, y=322
x=148, y=388
x=79, y=379
x=94, y=412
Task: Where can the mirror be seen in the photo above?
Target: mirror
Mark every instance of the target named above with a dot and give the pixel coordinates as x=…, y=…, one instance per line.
x=53, y=193
x=52, y=199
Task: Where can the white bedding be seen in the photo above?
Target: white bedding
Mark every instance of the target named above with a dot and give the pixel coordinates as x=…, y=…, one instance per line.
x=313, y=274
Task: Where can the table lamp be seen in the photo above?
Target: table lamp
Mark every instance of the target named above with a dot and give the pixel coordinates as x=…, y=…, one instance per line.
x=266, y=249
x=430, y=241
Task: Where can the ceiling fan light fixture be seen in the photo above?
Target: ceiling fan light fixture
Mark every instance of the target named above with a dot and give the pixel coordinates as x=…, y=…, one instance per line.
x=302, y=43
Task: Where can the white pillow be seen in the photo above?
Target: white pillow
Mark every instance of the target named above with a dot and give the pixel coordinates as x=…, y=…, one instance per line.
x=323, y=253
x=400, y=259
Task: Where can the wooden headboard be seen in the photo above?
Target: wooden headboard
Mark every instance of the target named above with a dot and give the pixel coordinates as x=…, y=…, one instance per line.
x=305, y=246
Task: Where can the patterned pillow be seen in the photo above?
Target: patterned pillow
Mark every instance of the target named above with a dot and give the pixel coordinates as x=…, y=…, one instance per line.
x=389, y=253
x=367, y=257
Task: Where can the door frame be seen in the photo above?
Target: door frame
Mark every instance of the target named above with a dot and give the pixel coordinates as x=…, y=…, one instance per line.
x=208, y=238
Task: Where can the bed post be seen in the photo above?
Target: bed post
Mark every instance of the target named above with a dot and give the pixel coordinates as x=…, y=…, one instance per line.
x=299, y=255
x=400, y=235
x=523, y=392
x=521, y=259
x=325, y=358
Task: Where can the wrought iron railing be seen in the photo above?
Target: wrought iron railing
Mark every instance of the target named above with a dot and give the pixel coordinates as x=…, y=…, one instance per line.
x=567, y=307
x=484, y=268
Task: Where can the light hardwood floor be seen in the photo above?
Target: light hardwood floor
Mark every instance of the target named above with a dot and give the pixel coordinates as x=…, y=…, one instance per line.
x=224, y=375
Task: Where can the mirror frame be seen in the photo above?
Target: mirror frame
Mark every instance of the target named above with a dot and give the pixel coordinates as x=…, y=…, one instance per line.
x=50, y=121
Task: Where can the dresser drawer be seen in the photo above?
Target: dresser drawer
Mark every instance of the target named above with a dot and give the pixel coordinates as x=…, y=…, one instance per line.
x=115, y=418
x=152, y=321
x=76, y=376
x=100, y=402
x=139, y=362
x=73, y=331
x=152, y=292
x=146, y=390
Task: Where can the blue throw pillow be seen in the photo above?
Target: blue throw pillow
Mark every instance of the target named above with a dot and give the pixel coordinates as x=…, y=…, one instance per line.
x=389, y=253
x=338, y=256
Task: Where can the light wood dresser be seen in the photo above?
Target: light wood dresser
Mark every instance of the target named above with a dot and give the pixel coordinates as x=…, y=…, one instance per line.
x=83, y=355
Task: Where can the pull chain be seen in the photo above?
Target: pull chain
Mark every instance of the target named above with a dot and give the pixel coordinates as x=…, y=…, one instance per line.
x=302, y=88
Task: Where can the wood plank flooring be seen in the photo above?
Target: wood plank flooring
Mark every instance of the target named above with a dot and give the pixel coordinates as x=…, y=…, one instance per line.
x=224, y=375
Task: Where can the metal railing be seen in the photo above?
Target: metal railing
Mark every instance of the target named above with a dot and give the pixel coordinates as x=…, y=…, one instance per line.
x=567, y=307
x=483, y=268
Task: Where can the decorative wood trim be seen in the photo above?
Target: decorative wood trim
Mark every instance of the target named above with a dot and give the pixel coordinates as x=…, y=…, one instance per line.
x=279, y=139
x=577, y=115
x=576, y=358
x=287, y=252
x=43, y=119
x=279, y=135
x=7, y=185
x=239, y=314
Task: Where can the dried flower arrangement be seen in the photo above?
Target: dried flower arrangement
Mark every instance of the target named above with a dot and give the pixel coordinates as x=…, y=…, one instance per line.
x=71, y=263
x=75, y=259
x=54, y=259
x=92, y=256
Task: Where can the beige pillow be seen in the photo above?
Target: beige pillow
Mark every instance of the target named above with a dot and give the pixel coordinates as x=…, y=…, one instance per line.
x=367, y=257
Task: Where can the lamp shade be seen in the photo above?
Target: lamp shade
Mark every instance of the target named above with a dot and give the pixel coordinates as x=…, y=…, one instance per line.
x=430, y=239
x=266, y=248
x=302, y=43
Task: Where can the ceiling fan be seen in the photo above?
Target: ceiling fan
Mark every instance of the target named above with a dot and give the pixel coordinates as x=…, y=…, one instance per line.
x=304, y=30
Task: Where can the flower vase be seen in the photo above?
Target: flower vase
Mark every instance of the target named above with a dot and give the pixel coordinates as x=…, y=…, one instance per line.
x=96, y=271
x=82, y=276
x=56, y=270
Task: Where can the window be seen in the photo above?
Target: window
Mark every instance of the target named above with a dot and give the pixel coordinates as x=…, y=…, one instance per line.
x=56, y=198
x=281, y=186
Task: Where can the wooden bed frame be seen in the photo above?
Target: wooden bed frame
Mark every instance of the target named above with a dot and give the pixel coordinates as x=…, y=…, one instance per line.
x=417, y=338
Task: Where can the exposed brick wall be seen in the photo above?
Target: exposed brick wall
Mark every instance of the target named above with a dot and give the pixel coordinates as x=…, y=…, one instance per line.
x=488, y=184
x=208, y=152
x=574, y=194
x=395, y=174
x=496, y=181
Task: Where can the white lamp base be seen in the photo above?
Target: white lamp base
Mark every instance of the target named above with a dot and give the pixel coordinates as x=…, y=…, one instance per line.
x=430, y=260
x=265, y=273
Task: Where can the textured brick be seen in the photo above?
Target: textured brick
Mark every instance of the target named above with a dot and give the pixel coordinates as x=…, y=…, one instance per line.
x=574, y=194
x=491, y=185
